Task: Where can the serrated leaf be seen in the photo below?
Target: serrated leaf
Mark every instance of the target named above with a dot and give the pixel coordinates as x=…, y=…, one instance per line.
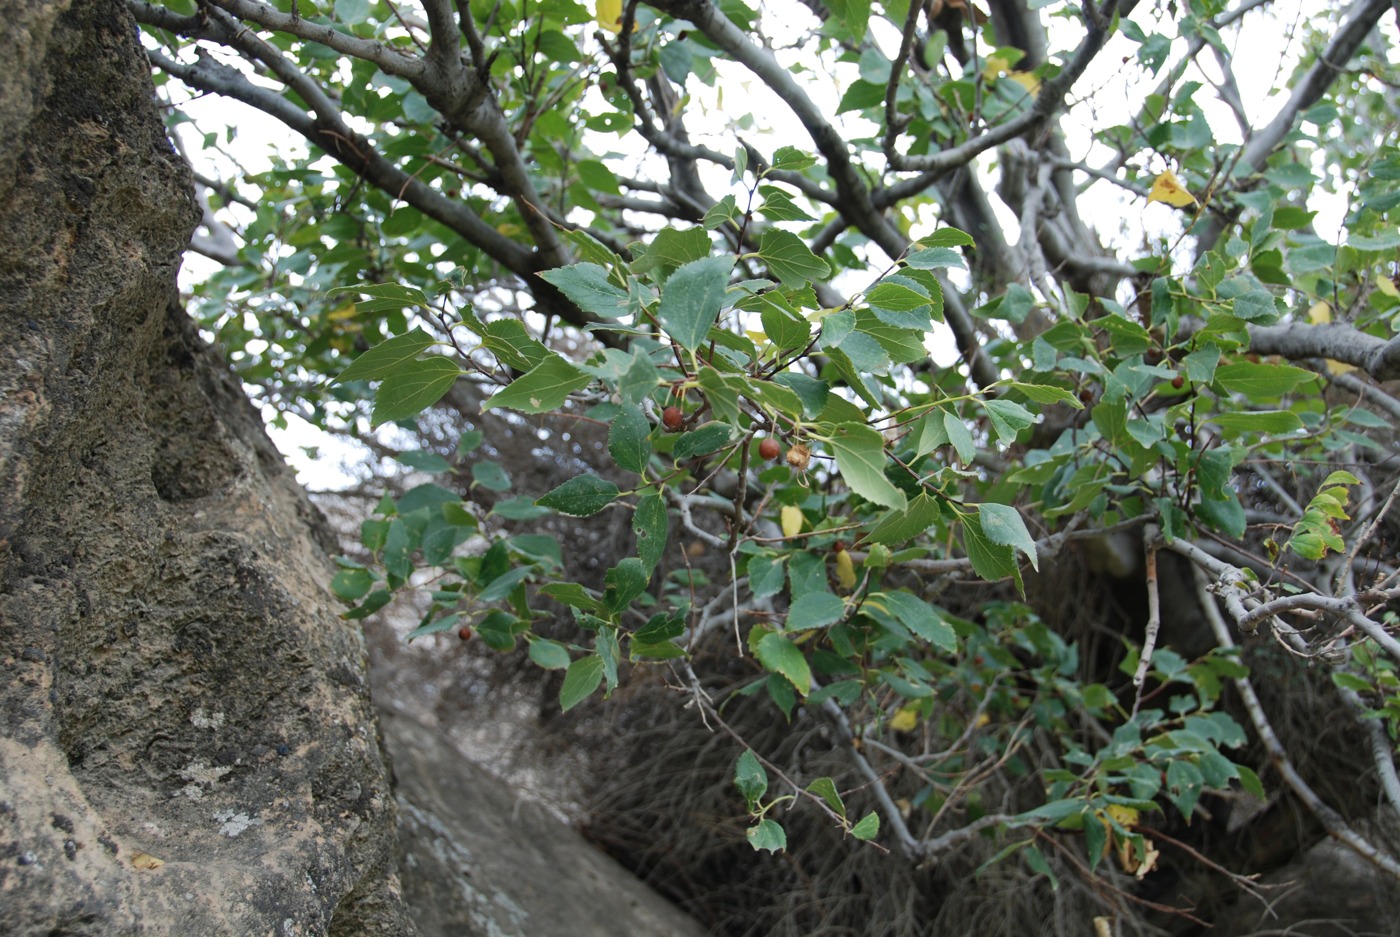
x=702, y=440
x=387, y=357
x=1047, y=393
x=512, y=344
x=932, y=258
x=581, y=496
x=580, y=680
x=1258, y=421
x=919, y=617
x=825, y=788
x=991, y=561
x=790, y=259
x=413, y=388
x=650, y=525
x=692, y=299
x=860, y=457
x=629, y=440
x=792, y=159
x=947, y=237
x=960, y=437
x=1008, y=418
x=541, y=389
x=750, y=778
x=905, y=524
x=384, y=297
x=573, y=595
x=766, y=575
x=625, y=581
x=1003, y=525
x=767, y=834
x=1261, y=380
x=868, y=827
x=551, y=655
x=815, y=610
x=779, y=655
x=896, y=296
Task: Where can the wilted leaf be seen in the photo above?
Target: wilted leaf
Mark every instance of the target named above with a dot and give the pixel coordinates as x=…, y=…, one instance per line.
x=1168, y=188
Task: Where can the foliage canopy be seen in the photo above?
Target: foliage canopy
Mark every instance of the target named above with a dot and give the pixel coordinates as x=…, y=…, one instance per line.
x=556, y=216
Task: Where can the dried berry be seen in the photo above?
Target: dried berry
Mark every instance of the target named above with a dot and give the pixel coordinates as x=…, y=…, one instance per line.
x=799, y=456
x=672, y=418
x=769, y=449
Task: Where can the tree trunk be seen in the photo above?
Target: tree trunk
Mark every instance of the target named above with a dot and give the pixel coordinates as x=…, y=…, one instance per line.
x=176, y=684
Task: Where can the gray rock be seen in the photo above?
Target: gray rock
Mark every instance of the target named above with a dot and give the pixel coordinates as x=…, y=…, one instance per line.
x=481, y=861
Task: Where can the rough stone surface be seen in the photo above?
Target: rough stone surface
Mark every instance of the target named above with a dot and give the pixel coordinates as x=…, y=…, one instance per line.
x=174, y=680
x=478, y=860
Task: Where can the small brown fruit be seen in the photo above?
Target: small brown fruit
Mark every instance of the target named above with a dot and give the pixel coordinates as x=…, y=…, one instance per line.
x=465, y=632
x=1178, y=382
x=769, y=449
x=672, y=418
x=799, y=456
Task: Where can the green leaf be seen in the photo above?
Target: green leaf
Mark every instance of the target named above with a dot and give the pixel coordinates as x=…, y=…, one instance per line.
x=868, y=827
x=779, y=655
x=424, y=461
x=581, y=496
x=1047, y=393
x=490, y=476
x=629, y=440
x=588, y=286
x=896, y=296
x=625, y=581
x=542, y=389
x=947, y=237
x=352, y=584
x=789, y=258
x=991, y=561
x=1258, y=421
x=1261, y=380
x=573, y=595
x=650, y=524
x=384, y=297
x=703, y=440
x=1003, y=525
x=513, y=345
x=445, y=623
x=825, y=788
x=551, y=655
x=815, y=610
x=1008, y=418
x=767, y=834
x=386, y=358
x=580, y=680
x=860, y=456
x=413, y=388
x=960, y=436
x=750, y=778
x=919, y=617
x=792, y=159
x=692, y=299
x=905, y=524
x=766, y=575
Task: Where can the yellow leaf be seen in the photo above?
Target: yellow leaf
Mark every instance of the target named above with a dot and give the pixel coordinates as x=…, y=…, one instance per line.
x=1388, y=287
x=1026, y=80
x=1125, y=816
x=791, y=517
x=1319, y=313
x=1168, y=188
x=905, y=718
x=845, y=571
x=144, y=860
x=610, y=16
x=995, y=65
x=344, y=312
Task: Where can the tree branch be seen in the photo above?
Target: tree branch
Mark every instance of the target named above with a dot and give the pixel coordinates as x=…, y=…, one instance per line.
x=1378, y=357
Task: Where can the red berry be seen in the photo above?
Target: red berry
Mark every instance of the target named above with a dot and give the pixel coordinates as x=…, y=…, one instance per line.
x=1178, y=382
x=465, y=632
x=672, y=418
x=838, y=546
x=769, y=449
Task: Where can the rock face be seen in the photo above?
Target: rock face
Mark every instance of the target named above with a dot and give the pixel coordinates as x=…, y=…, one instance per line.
x=175, y=685
x=477, y=860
